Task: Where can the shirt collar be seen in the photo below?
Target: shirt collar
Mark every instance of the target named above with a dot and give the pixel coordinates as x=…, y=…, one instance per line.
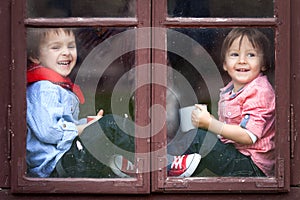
x=229, y=88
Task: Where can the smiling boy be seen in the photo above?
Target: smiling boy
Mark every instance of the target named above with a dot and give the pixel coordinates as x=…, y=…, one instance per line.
x=246, y=109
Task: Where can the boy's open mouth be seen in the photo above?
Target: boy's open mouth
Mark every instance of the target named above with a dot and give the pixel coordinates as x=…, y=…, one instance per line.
x=64, y=62
x=242, y=70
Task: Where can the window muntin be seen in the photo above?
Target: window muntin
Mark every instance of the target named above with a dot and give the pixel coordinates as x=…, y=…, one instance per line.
x=220, y=8
x=78, y=8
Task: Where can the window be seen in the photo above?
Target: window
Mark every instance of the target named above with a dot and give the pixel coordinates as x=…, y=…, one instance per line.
x=194, y=31
x=106, y=72
x=142, y=79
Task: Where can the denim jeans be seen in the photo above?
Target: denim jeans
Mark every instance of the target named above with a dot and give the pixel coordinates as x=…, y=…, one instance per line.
x=90, y=153
x=221, y=159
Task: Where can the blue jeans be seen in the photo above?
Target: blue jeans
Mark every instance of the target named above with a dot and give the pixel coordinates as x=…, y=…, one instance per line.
x=221, y=159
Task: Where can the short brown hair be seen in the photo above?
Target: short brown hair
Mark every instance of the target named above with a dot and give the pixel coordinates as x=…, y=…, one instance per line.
x=35, y=37
x=257, y=39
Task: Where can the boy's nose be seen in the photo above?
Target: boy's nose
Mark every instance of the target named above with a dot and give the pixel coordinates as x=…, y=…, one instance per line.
x=66, y=51
x=242, y=59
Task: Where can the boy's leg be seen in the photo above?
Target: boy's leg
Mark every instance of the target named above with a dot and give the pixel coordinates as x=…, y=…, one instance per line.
x=100, y=141
x=194, y=141
x=181, y=163
x=226, y=160
x=222, y=159
x=78, y=162
x=109, y=136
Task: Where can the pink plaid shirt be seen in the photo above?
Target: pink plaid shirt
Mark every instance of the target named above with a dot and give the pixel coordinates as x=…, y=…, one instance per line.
x=253, y=108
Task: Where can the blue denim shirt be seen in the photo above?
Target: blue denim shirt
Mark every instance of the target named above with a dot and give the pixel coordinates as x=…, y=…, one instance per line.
x=52, y=116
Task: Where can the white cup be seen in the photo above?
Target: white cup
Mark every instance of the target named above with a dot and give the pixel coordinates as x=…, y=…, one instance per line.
x=185, y=114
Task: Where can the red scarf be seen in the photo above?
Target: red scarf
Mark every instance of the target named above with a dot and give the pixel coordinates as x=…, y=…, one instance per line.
x=40, y=73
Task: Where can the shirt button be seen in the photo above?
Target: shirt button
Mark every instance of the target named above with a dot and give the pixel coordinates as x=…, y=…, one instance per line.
x=64, y=125
x=229, y=113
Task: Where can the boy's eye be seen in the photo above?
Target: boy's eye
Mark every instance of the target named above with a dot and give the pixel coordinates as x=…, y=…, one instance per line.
x=233, y=54
x=251, y=55
x=55, y=47
x=72, y=46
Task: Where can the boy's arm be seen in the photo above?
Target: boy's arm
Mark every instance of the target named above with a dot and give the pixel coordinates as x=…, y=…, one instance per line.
x=83, y=126
x=235, y=133
x=229, y=131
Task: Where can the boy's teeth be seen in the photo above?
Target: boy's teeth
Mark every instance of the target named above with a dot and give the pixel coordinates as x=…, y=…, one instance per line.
x=63, y=63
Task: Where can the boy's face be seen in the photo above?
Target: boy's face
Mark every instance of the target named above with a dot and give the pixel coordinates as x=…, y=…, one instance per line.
x=243, y=62
x=58, y=52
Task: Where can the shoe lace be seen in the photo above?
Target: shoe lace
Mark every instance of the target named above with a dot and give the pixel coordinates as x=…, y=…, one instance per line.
x=177, y=163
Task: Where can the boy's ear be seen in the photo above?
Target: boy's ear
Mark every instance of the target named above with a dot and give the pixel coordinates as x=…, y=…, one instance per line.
x=263, y=68
x=224, y=67
x=34, y=60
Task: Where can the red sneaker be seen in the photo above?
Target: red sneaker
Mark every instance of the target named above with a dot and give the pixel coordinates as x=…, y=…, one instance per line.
x=122, y=167
x=185, y=165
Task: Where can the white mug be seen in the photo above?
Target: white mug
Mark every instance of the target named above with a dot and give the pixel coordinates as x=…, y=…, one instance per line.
x=185, y=114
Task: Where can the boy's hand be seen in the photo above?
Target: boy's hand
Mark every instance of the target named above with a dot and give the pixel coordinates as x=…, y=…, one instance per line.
x=100, y=113
x=95, y=118
x=92, y=119
x=201, y=117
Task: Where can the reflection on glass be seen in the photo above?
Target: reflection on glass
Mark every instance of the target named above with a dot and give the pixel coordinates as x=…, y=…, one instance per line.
x=73, y=73
x=220, y=8
x=79, y=8
x=195, y=76
x=94, y=52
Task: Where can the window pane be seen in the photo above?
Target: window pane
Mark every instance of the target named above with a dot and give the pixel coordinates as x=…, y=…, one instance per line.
x=79, y=8
x=220, y=8
x=196, y=76
x=103, y=67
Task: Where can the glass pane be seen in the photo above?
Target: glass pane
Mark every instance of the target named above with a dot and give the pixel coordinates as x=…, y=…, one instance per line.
x=220, y=8
x=79, y=8
x=195, y=76
x=103, y=67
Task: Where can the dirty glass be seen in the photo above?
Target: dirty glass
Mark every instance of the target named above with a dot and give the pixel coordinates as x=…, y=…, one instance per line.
x=79, y=8
x=195, y=76
x=220, y=8
x=103, y=67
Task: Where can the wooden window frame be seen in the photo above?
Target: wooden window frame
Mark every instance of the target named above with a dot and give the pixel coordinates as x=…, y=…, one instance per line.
x=160, y=182
x=295, y=95
x=280, y=183
x=21, y=183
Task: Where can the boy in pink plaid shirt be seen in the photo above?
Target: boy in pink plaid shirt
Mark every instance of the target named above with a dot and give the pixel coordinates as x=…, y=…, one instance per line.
x=246, y=125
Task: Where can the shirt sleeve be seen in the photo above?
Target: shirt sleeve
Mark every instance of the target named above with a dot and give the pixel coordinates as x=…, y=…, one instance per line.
x=252, y=136
x=259, y=107
x=50, y=118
